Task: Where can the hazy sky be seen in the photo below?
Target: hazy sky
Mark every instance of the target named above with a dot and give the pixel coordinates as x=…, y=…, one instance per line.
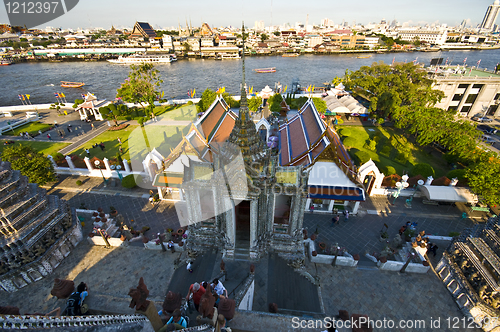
x=168, y=13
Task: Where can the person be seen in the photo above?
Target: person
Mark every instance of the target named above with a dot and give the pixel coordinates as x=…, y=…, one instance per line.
x=197, y=291
x=48, y=136
x=170, y=246
x=119, y=141
x=177, y=319
x=189, y=267
x=120, y=149
x=88, y=152
x=433, y=248
x=335, y=220
x=101, y=145
x=311, y=208
x=219, y=288
x=221, y=324
x=39, y=132
x=346, y=215
x=402, y=230
x=152, y=200
x=83, y=290
x=92, y=125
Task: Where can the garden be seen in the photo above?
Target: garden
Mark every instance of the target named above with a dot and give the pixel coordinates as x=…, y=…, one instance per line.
x=32, y=128
x=393, y=151
x=47, y=148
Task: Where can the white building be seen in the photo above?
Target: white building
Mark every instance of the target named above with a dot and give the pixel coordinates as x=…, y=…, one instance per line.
x=490, y=17
x=436, y=37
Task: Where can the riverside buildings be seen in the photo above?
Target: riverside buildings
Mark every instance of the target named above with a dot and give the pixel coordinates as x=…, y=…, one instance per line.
x=490, y=17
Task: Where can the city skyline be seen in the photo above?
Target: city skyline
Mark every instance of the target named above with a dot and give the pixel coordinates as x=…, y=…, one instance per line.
x=93, y=13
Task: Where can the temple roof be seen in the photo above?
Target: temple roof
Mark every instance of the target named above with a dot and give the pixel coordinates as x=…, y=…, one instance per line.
x=143, y=29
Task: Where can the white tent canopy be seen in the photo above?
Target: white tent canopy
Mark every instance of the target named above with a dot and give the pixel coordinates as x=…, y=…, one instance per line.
x=448, y=194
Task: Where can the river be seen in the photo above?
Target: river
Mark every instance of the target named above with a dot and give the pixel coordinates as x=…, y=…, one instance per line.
x=42, y=80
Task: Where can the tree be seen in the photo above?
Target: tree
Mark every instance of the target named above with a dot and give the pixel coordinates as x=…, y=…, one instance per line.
x=187, y=47
x=207, y=98
x=483, y=179
x=320, y=104
x=254, y=103
x=263, y=37
x=141, y=85
x=416, y=41
x=423, y=169
x=31, y=163
x=277, y=33
x=275, y=103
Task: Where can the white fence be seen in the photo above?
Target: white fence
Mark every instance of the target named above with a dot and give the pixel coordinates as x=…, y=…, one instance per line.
x=19, y=123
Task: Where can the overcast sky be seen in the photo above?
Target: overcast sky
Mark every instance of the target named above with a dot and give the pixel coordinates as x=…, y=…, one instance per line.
x=168, y=13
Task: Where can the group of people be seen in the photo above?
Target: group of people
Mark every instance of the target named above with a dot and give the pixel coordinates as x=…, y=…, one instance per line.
x=74, y=304
x=336, y=219
x=25, y=134
x=421, y=240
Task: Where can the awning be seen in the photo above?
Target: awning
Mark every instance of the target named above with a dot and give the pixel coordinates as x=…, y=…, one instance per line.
x=448, y=194
x=173, y=180
x=336, y=193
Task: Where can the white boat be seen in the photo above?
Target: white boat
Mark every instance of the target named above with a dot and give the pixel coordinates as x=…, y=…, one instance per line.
x=143, y=58
x=5, y=59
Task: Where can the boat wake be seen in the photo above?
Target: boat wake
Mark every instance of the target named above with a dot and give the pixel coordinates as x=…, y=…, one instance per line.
x=50, y=85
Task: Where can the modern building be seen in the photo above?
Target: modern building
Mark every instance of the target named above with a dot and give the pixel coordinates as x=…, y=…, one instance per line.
x=469, y=91
x=490, y=17
x=435, y=37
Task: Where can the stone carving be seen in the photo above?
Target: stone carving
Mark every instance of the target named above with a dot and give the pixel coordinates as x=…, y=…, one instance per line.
x=172, y=301
x=62, y=288
x=207, y=303
x=139, y=296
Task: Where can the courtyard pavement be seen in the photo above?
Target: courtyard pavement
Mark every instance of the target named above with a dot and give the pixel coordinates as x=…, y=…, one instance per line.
x=110, y=273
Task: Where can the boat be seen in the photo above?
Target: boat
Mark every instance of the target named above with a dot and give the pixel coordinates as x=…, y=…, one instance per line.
x=290, y=55
x=364, y=56
x=143, y=58
x=66, y=84
x=265, y=70
x=6, y=60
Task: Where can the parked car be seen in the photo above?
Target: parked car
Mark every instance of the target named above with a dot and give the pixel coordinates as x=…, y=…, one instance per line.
x=488, y=139
x=487, y=129
x=481, y=119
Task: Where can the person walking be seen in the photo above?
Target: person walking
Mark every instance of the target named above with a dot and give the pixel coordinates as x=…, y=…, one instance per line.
x=48, y=136
x=88, y=152
x=119, y=140
x=346, y=215
x=335, y=220
x=92, y=126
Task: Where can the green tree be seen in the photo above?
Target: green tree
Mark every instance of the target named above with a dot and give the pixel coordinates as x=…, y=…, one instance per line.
x=263, y=37
x=142, y=85
x=31, y=163
x=187, y=47
x=207, y=98
x=277, y=33
x=320, y=104
x=275, y=103
x=423, y=169
x=254, y=103
x=483, y=179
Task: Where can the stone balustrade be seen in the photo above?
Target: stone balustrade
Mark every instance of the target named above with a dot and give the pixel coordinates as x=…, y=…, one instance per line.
x=26, y=322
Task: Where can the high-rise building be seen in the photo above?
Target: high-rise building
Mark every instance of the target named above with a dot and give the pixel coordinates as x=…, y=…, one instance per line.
x=491, y=16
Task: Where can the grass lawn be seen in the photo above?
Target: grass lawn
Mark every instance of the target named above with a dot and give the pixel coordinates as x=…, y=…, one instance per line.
x=45, y=147
x=417, y=154
x=163, y=138
x=179, y=112
x=110, y=140
x=32, y=128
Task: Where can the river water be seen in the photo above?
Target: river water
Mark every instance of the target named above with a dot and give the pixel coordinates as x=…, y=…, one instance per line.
x=42, y=80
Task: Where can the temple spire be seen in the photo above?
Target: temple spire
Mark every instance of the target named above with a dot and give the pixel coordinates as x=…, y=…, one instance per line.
x=243, y=99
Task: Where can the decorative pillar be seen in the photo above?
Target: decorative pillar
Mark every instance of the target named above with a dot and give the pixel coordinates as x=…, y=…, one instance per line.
x=254, y=218
x=126, y=165
x=429, y=180
x=230, y=220
x=160, y=193
x=355, y=208
x=106, y=163
x=70, y=162
x=308, y=204
x=89, y=165
x=330, y=206
x=52, y=161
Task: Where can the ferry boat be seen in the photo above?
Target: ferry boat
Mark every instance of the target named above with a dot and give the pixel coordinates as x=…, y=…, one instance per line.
x=143, y=58
x=266, y=70
x=6, y=60
x=66, y=84
x=290, y=55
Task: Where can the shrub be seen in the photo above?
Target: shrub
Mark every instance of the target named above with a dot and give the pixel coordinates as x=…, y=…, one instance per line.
x=79, y=183
x=386, y=150
x=423, y=169
x=344, y=132
x=340, y=121
x=58, y=157
x=401, y=158
x=380, y=121
x=456, y=173
x=129, y=181
x=190, y=102
x=371, y=145
x=141, y=121
x=388, y=170
x=361, y=157
x=350, y=142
